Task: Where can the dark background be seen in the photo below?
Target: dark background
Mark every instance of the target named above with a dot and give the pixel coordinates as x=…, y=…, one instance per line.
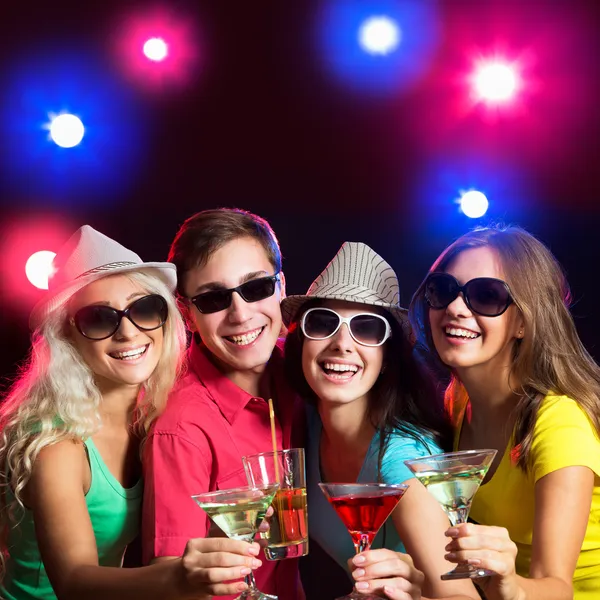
x=255, y=116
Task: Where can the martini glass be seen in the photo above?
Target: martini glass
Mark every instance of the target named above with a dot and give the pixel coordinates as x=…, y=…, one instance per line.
x=363, y=508
x=452, y=479
x=239, y=512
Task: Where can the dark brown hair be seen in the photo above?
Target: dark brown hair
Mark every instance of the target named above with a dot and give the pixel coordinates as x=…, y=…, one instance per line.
x=204, y=233
x=403, y=397
x=551, y=357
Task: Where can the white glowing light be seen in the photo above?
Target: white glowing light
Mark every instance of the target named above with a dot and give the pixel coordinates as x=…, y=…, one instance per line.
x=38, y=268
x=156, y=49
x=495, y=82
x=66, y=130
x=474, y=204
x=379, y=35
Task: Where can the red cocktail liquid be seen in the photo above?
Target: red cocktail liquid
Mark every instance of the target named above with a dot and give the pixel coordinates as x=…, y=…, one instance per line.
x=364, y=515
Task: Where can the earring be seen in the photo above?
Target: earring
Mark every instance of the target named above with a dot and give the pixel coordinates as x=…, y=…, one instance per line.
x=521, y=333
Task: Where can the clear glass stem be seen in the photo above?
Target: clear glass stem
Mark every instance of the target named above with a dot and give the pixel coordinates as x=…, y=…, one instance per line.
x=458, y=515
x=362, y=544
x=251, y=582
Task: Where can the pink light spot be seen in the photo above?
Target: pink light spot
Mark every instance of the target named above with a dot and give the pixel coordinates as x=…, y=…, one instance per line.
x=156, y=49
x=495, y=82
x=38, y=268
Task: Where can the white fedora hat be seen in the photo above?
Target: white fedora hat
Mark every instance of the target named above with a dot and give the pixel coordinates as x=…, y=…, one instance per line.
x=356, y=274
x=89, y=255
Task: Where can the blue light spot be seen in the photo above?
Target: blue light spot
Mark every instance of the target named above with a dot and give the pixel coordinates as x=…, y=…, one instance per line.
x=72, y=85
x=378, y=47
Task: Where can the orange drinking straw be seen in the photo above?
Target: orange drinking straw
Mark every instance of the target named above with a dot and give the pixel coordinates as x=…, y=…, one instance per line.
x=274, y=439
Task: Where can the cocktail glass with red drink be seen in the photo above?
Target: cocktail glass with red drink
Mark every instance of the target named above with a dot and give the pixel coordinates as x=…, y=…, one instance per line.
x=363, y=508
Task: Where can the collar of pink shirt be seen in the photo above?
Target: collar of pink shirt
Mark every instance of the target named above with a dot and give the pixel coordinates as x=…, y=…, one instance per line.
x=231, y=399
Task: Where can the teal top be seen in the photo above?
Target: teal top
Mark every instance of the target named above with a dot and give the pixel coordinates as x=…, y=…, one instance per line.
x=325, y=527
x=115, y=514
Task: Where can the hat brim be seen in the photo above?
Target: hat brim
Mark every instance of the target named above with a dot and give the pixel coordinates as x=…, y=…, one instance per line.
x=292, y=305
x=166, y=271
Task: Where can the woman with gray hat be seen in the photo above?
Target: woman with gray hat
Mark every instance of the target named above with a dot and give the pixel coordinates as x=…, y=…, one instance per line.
x=107, y=347
x=369, y=407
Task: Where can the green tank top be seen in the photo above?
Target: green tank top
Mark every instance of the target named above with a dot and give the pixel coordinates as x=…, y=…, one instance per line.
x=115, y=514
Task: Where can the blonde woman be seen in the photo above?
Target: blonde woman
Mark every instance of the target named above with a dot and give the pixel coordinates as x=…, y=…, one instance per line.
x=494, y=311
x=107, y=347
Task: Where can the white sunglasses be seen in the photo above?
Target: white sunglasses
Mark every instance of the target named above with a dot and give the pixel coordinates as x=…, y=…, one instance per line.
x=367, y=329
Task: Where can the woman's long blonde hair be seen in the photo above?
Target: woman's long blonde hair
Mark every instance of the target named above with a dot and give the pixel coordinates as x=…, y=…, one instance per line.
x=55, y=397
x=551, y=357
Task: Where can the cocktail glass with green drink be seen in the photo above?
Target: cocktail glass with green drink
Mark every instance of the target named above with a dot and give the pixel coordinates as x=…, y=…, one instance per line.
x=238, y=512
x=453, y=479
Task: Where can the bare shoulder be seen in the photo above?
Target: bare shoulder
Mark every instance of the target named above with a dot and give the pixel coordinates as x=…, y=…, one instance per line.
x=64, y=453
x=64, y=461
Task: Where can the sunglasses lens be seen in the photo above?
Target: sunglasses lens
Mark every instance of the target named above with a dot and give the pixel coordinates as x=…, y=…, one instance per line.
x=211, y=302
x=368, y=330
x=251, y=291
x=440, y=290
x=320, y=324
x=97, y=322
x=149, y=312
x=258, y=289
x=488, y=297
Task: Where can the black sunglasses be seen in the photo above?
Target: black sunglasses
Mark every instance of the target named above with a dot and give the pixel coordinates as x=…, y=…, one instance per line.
x=367, y=329
x=251, y=291
x=485, y=296
x=98, y=322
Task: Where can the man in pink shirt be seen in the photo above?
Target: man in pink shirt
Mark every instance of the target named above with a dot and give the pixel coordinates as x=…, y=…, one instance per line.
x=230, y=283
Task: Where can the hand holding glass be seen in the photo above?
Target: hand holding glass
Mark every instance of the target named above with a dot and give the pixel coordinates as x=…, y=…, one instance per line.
x=452, y=479
x=239, y=512
x=288, y=533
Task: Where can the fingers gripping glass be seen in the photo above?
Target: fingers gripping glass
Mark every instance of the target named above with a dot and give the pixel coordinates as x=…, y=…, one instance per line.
x=367, y=329
x=485, y=296
x=251, y=291
x=98, y=322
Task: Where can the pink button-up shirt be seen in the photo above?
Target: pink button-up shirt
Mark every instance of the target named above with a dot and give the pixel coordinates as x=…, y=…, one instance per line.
x=197, y=445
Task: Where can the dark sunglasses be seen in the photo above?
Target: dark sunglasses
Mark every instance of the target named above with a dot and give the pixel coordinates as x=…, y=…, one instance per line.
x=485, y=296
x=251, y=291
x=98, y=322
x=367, y=329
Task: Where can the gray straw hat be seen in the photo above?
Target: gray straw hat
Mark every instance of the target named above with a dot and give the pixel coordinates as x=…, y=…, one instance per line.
x=356, y=274
x=89, y=255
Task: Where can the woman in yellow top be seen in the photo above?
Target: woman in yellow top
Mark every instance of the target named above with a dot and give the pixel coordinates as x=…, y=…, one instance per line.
x=494, y=311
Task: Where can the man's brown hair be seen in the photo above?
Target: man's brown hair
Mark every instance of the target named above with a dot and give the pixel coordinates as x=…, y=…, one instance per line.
x=204, y=233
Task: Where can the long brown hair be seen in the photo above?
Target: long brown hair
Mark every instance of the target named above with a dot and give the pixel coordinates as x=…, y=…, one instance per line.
x=551, y=357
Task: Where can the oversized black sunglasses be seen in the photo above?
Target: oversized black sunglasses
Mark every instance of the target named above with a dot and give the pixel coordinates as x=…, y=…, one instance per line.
x=367, y=329
x=251, y=291
x=98, y=322
x=486, y=296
